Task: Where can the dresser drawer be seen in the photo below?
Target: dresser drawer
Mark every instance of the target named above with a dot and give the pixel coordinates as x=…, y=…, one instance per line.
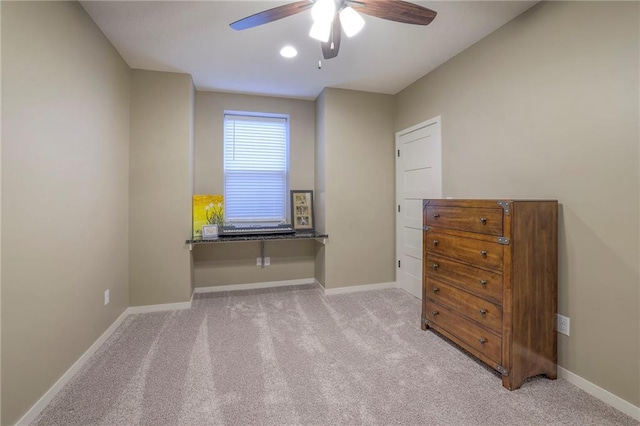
x=473, y=307
x=484, y=254
x=480, y=282
x=477, y=337
x=472, y=219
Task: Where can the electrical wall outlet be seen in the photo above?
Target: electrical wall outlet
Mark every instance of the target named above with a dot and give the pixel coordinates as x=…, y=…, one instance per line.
x=106, y=297
x=258, y=261
x=267, y=261
x=563, y=324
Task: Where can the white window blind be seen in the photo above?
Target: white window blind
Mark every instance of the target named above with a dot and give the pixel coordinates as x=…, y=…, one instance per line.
x=255, y=167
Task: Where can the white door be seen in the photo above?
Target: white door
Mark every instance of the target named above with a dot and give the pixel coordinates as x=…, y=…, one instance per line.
x=418, y=176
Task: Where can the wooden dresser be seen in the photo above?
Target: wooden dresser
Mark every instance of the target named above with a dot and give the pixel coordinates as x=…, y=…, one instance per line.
x=489, y=284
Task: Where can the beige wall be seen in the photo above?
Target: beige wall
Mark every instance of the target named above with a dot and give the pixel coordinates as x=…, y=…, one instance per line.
x=65, y=135
x=236, y=263
x=359, y=183
x=320, y=186
x=160, y=187
x=0, y=216
x=210, y=107
x=192, y=153
x=547, y=107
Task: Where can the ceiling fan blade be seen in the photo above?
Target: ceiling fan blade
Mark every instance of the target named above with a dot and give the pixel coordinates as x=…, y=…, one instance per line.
x=271, y=15
x=395, y=10
x=330, y=48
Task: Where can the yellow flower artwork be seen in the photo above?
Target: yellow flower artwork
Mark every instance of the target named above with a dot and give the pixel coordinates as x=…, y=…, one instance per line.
x=207, y=210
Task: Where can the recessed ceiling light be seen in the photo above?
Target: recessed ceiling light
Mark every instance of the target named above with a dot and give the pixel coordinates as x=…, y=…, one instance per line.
x=289, y=52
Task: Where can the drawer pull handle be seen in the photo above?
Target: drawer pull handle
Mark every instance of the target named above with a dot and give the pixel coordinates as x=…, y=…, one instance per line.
x=483, y=220
x=436, y=215
x=482, y=340
x=435, y=266
x=483, y=283
x=483, y=311
x=434, y=313
x=483, y=253
x=435, y=242
x=436, y=289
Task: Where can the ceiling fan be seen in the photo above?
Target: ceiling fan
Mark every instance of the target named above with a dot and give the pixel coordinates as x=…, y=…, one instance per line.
x=331, y=17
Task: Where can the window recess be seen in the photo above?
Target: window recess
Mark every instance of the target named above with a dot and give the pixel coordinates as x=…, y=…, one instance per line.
x=256, y=167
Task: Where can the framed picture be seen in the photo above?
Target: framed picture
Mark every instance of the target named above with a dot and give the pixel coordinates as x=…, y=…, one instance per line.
x=207, y=210
x=302, y=210
x=209, y=231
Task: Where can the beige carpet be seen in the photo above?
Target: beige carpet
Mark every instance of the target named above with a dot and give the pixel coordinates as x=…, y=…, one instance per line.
x=292, y=356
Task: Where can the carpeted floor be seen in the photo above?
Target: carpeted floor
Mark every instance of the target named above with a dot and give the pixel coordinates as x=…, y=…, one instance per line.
x=292, y=356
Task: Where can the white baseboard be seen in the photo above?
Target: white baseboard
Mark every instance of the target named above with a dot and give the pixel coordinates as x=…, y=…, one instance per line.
x=252, y=286
x=158, y=308
x=602, y=394
x=355, y=288
x=37, y=408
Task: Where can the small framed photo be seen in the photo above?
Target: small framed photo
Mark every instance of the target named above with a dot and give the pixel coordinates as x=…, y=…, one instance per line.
x=302, y=210
x=209, y=231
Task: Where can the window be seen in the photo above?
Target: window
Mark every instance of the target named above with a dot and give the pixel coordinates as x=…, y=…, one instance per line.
x=256, y=167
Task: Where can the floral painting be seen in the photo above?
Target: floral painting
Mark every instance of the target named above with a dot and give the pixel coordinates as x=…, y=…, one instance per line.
x=207, y=210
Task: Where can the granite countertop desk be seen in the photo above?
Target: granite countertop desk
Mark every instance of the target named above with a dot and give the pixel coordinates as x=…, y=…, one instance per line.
x=261, y=238
x=266, y=237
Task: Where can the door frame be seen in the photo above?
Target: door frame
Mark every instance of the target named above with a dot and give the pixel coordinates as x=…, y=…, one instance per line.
x=437, y=120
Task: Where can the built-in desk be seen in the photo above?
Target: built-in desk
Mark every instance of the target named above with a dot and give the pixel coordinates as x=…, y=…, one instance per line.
x=260, y=238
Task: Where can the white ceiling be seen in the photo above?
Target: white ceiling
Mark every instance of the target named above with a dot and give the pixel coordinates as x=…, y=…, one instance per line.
x=194, y=37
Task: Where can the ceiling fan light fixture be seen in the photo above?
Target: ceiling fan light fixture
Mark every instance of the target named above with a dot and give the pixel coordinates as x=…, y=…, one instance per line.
x=351, y=21
x=323, y=11
x=327, y=13
x=321, y=31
